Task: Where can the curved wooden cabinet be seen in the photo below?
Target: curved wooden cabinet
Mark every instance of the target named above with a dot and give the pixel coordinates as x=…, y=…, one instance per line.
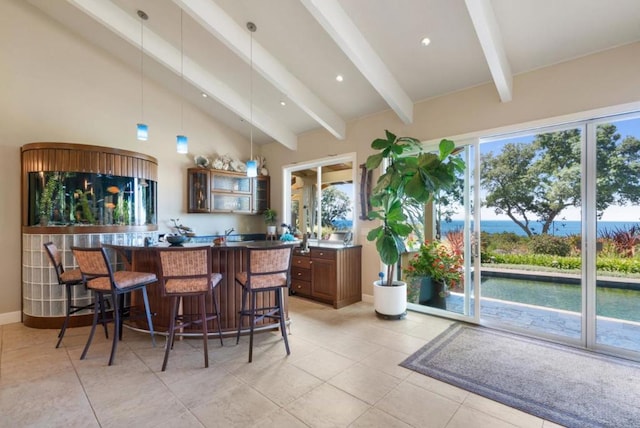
x=95, y=195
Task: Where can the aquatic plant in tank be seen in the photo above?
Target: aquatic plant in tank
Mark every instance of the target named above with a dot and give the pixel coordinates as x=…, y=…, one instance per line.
x=75, y=198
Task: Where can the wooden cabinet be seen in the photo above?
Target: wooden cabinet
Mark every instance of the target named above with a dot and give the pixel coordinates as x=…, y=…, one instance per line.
x=213, y=191
x=261, y=195
x=329, y=275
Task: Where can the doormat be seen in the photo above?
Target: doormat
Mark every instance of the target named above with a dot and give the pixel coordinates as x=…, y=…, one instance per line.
x=565, y=385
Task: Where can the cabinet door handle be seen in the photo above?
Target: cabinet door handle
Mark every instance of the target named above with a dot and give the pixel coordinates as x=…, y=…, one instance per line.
x=299, y=273
x=321, y=253
x=299, y=286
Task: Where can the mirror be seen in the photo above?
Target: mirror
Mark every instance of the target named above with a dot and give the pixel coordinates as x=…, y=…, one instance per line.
x=321, y=198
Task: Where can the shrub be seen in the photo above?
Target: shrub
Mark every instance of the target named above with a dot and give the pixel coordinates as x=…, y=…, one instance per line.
x=551, y=245
x=505, y=242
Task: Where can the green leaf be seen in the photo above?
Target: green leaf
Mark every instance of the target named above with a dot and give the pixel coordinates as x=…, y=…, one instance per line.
x=390, y=136
x=446, y=148
x=388, y=250
x=374, y=161
x=380, y=144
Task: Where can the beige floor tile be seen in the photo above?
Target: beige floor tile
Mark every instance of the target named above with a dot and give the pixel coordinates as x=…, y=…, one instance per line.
x=58, y=400
x=452, y=392
x=192, y=387
x=418, y=407
x=277, y=380
x=281, y=419
x=376, y=418
x=468, y=416
x=183, y=420
x=240, y=406
x=323, y=364
x=387, y=360
x=365, y=383
x=500, y=411
x=327, y=406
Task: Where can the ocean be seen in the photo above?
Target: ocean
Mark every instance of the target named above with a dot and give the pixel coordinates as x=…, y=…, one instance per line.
x=560, y=228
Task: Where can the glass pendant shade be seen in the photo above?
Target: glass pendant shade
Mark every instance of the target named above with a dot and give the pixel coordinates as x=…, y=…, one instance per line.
x=143, y=132
x=183, y=144
x=252, y=168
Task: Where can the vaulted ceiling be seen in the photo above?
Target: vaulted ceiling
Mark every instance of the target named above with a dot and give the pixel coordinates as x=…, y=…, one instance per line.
x=282, y=77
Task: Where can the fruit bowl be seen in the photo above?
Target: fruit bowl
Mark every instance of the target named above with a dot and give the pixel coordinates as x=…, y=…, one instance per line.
x=175, y=239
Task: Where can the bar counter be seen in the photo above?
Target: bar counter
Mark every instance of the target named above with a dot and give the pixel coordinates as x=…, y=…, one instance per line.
x=228, y=260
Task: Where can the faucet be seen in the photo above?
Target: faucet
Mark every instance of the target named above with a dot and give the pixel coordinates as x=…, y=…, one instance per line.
x=228, y=232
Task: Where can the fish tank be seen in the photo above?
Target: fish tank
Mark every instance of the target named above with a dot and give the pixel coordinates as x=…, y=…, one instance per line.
x=77, y=198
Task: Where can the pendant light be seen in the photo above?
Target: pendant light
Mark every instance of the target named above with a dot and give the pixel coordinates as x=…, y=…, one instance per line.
x=142, y=128
x=181, y=140
x=252, y=165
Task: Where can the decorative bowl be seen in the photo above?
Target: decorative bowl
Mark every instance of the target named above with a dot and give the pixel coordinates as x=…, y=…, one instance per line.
x=175, y=239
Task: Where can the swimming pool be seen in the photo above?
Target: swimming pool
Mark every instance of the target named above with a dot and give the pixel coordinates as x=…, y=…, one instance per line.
x=611, y=302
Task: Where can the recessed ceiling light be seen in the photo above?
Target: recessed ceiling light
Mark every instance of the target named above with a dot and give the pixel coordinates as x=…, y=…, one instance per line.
x=339, y=78
x=204, y=95
x=426, y=41
x=282, y=103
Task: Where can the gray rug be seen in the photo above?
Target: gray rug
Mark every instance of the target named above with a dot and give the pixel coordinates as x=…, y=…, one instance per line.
x=565, y=385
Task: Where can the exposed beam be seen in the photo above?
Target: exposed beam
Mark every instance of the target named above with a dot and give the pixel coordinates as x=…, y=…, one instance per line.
x=236, y=37
x=128, y=27
x=484, y=21
x=346, y=35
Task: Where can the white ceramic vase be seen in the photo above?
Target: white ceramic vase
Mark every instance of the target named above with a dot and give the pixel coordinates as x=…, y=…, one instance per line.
x=390, y=302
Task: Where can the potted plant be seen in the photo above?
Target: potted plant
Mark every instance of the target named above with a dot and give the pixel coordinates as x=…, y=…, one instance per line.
x=270, y=216
x=411, y=178
x=431, y=272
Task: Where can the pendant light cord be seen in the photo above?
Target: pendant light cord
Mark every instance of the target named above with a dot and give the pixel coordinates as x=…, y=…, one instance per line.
x=141, y=69
x=143, y=17
x=181, y=77
x=252, y=28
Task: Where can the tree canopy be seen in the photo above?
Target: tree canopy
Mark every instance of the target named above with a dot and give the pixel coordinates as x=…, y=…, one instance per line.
x=534, y=182
x=335, y=205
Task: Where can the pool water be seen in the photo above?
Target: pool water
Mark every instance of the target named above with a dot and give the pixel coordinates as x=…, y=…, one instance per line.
x=611, y=302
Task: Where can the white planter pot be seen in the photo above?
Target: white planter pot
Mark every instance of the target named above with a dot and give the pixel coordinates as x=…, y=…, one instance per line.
x=390, y=302
x=271, y=230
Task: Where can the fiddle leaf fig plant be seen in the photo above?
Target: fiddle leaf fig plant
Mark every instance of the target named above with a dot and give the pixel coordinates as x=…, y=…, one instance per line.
x=411, y=178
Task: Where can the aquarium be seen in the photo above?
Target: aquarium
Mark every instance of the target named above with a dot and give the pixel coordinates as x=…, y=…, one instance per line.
x=78, y=198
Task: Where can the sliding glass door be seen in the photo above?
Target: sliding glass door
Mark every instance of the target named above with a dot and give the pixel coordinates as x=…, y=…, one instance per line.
x=615, y=301
x=531, y=229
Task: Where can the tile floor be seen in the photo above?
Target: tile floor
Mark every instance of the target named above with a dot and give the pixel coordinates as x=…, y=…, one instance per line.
x=343, y=372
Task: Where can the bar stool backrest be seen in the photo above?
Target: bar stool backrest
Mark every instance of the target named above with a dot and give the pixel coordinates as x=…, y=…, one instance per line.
x=185, y=270
x=269, y=267
x=56, y=259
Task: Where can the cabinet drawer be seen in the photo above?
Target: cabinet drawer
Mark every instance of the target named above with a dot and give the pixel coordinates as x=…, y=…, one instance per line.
x=322, y=253
x=301, y=287
x=301, y=262
x=300, y=274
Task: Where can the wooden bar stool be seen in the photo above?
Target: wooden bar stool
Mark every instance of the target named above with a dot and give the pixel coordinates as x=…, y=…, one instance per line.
x=268, y=270
x=188, y=272
x=100, y=277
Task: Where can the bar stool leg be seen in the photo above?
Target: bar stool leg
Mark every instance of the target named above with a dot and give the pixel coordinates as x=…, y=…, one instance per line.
x=252, y=321
x=205, y=337
x=149, y=322
x=283, y=328
x=217, y=309
x=117, y=334
x=93, y=326
x=172, y=330
x=66, y=319
x=242, y=312
x=103, y=312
